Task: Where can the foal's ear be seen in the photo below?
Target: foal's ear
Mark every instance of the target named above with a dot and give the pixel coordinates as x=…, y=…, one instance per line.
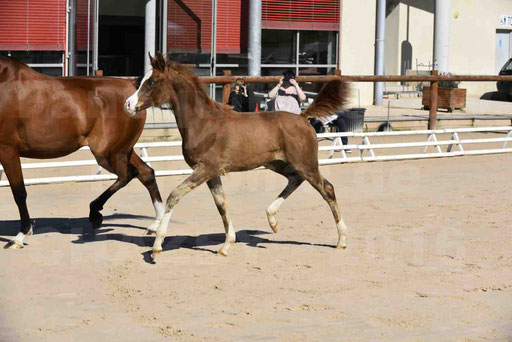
x=152, y=61
x=157, y=63
x=161, y=60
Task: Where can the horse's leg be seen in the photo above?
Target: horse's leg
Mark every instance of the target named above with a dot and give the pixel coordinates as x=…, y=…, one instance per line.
x=147, y=178
x=294, y=181
x=215, y=185
x=322, y=185
x=199, y=176
x=119, y=165
x=10, y=160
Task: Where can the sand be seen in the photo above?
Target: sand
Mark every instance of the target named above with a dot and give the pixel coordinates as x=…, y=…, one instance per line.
x=429, y=258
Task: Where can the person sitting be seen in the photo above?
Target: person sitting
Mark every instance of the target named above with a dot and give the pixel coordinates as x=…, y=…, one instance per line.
x=287, y=94
x=241, y=98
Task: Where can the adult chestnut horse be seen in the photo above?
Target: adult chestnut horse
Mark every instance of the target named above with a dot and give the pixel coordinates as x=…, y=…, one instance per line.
x=217, y=140
x=49, y=117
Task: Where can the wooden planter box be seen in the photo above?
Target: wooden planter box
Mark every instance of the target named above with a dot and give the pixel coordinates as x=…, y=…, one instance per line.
x=447, y=98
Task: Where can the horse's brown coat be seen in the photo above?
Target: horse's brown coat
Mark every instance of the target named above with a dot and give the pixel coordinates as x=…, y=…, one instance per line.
x=49, y=117
x=217, y=140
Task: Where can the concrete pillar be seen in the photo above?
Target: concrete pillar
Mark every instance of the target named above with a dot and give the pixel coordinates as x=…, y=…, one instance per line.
x=380, y=32
x=213, y=55
x=150, y=33
x=338, y=61
x=72, y=38
x=165, y=5
x=254, y=48
x=95, y=35
x=442, y=35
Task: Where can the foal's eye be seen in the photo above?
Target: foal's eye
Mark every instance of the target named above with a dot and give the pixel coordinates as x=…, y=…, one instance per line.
x=153, y=83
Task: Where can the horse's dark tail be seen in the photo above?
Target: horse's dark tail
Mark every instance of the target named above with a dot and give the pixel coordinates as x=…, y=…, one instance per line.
x=331, y=98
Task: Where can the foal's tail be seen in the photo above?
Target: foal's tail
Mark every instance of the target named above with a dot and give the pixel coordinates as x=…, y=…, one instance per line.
x=331, y=98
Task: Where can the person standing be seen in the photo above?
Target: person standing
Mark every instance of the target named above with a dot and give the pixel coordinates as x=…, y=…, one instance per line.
x=241, y=98
x=287, y=94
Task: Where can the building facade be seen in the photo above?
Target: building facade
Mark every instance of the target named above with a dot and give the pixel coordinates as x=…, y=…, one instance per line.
x=312, y=37
x=479, y=39
x=296, y=34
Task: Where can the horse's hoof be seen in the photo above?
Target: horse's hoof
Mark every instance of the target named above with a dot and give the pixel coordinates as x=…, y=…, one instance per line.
x=13, y=245
x=341, y=247
x=148, y=232
x=96, y=219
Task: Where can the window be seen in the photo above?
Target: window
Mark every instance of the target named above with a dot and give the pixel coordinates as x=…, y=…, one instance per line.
x=316, y=54
x=46, y=62
x=278, y=47
x=317, y=47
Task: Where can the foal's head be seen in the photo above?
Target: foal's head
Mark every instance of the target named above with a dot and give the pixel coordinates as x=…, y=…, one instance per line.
x=155, y=88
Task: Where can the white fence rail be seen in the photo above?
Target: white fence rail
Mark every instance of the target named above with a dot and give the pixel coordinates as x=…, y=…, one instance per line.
x=367, y=151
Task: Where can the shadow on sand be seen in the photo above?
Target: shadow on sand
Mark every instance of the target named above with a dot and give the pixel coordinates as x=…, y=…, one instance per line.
x=85, y=234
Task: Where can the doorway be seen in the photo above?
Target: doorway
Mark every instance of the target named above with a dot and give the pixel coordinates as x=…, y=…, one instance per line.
x=121, y=37
x=119, y=51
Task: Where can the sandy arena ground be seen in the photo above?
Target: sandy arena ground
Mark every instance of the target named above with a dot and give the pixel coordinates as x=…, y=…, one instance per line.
x=429, y=258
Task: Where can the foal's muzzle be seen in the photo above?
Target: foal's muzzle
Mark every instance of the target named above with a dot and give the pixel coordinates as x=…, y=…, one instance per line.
x=131, y=108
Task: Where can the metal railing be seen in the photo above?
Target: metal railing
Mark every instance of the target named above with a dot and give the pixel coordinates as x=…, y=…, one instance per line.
x=367, y=151
x=454, y=145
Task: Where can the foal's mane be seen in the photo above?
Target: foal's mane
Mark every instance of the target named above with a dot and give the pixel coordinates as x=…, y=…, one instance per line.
x=166, y=65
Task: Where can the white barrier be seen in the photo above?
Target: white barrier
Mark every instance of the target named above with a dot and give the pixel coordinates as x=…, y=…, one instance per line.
x=366, y=151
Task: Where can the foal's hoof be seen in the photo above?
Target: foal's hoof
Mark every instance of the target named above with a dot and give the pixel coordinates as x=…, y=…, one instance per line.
x=275, y=228
x=155, y=254
x=13, y=245
x=222, y=253
x=95, y=219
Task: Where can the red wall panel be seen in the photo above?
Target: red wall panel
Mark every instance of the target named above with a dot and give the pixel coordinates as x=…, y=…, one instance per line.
x=33, y=25
x=189, y=26
x=229, y=28
x=301, y=14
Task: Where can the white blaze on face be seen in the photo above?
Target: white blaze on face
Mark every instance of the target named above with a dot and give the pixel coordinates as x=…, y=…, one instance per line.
x=132, y=101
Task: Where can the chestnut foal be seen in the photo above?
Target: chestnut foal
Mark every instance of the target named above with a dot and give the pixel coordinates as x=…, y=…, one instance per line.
x=50, y=117
x=217, y=140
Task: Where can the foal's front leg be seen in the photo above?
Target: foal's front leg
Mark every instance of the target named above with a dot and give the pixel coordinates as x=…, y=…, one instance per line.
x=215, y=185
x=198, y=177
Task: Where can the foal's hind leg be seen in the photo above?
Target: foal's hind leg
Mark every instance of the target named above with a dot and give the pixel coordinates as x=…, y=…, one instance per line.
x=10, y=160
x=294, y=181
x=199, y=176
x=215, y=185
x=147, y=178
x=119, y=165
x=326, y=189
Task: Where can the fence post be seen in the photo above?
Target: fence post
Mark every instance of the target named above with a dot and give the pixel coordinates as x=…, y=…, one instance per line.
x=432, y=119
x=226, y=88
